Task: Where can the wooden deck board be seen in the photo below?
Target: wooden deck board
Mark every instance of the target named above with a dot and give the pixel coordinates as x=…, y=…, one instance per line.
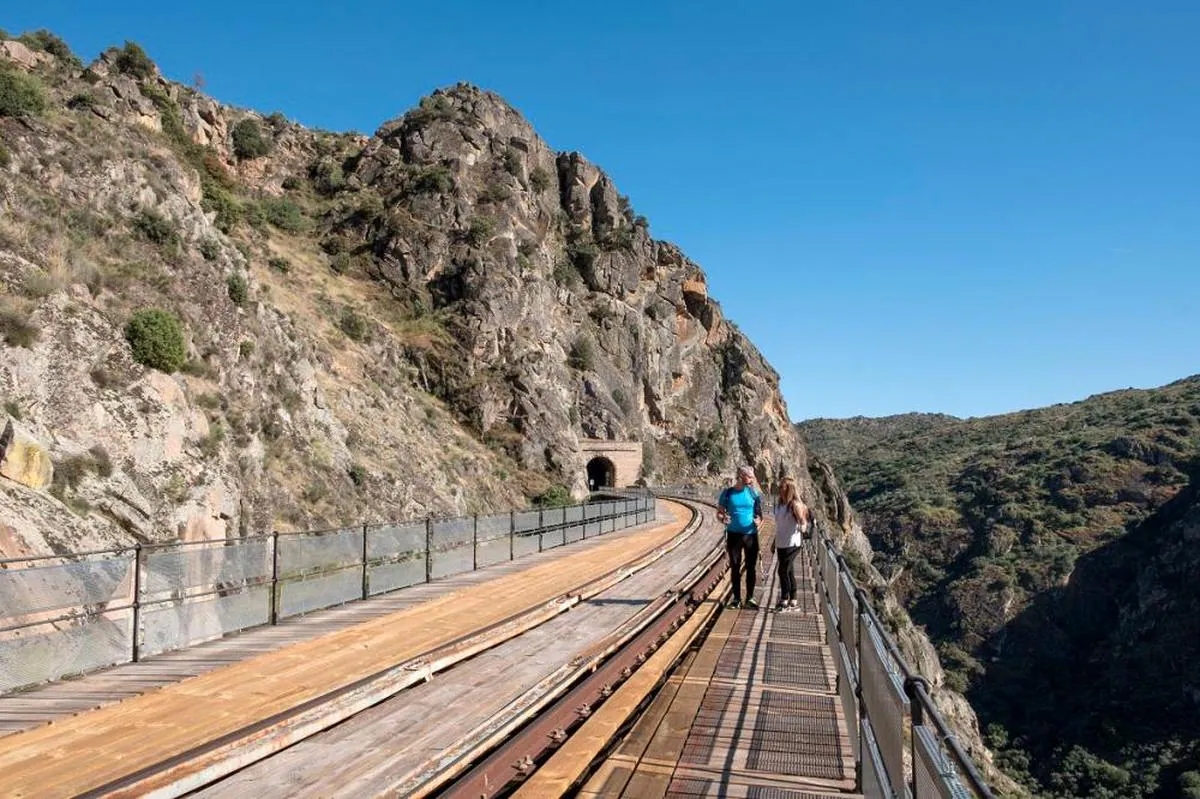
x=113, y=741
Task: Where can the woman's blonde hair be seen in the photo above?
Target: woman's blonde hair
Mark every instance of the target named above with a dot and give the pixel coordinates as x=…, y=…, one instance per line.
x=788, y=495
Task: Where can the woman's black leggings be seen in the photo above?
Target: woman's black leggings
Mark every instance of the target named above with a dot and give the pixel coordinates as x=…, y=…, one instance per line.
x=734, y=544
x=787, y=572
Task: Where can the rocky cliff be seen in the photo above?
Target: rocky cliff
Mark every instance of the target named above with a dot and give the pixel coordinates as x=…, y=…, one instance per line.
x=426, y=320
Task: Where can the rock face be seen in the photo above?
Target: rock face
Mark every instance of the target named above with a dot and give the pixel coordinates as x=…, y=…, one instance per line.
x=429, y=320
x=24, y=459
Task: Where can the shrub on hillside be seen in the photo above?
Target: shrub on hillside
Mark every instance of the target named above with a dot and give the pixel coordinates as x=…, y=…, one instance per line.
x=47, y=42
x=249, y=141
x=132, y=60
x=556, y=496
x=354, y=325
x=283, y=214
x=582, y=355
x=434, y=180
x=21, y=95
x=539, y=179
x=239, y=289
x=327, y=176
x=155, y=228
x=156, y=340
x=17, y=330
x=480, y=230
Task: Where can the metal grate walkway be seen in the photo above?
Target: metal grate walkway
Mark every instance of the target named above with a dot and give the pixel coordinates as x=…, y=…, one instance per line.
x=754, y=713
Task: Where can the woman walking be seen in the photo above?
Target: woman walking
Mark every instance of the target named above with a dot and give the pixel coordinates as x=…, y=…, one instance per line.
x=792, y=521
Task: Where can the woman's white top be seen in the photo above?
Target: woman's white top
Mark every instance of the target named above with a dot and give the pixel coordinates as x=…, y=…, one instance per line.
x=788, y=532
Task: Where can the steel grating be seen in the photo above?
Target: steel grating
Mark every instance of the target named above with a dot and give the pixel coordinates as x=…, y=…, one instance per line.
x=796, y=665
x=796, y=626
x=796, y=735
x=700, y=788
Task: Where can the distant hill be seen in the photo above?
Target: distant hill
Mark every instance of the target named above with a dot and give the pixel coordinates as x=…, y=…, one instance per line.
x=1033, y=547
x=840, y=440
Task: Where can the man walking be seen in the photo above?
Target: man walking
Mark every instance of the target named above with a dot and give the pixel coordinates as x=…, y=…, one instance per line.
x=740, y=508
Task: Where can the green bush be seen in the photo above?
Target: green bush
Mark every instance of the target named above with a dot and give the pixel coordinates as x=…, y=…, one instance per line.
x=155, y=228
x=5, y=157
x=292, y=183
x=132, y=60
x=556, y=496
x=209, y=248
x=246, y=348
x=540, y=179
x=279, y=264
x=156, y=340
x=46, y=41
x=218, y=200
x=21, y=95
x=249, y=141
x=357, y=475
x=354, y=326
x=283, y=214
x=239, y=289
x=480, y=230
x=327, y=176
x=434, y=180
x=582, y=355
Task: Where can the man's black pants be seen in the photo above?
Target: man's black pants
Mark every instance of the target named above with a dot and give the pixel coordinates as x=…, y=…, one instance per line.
x=735, y=544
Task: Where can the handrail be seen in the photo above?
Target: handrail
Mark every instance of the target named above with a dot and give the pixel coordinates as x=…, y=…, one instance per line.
x=247, y=577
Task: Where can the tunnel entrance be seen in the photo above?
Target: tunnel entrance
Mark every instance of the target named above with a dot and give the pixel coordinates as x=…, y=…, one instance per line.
x=601, y=474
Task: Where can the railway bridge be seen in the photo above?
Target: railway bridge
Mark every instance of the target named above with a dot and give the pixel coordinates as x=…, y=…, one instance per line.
x=579, y=651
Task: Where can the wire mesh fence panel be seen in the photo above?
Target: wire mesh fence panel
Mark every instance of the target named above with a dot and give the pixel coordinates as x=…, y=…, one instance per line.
x=553, y=517
x=223, y=564
x=608, y=524
x=525, y=544
x=934, y=775
x=492, y=542
x=41, y=653
x=451, y=546
x=319, y=591
x=874, y=777
x=42, y=588
x=885, y=703
x=384, y=577
x=183, y=623
x=526, y=520
x=552, y=538
x=572, y=513
x=303, y=553
x=451, y=561
x=848, y=617
x=846, y=693
x=573, y=534
x=393, y=541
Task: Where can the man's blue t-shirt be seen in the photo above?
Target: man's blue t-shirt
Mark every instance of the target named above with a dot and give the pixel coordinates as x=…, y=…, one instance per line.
x=742, y=506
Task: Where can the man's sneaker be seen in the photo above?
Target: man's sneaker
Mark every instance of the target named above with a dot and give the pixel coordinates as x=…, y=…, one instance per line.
x=781, y=606
x=792, y=604
x=733, y=604
x=752, y=603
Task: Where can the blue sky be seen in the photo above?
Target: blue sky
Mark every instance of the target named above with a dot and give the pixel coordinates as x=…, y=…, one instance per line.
x=938, y=206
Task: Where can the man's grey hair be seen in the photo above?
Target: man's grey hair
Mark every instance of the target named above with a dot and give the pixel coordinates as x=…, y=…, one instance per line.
x=745, y=469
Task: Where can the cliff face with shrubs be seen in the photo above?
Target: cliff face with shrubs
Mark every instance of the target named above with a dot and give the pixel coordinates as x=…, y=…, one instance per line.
x=218, y=322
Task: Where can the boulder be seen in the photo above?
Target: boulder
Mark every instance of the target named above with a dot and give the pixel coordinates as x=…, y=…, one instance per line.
x=22, y=56
x=24, y=459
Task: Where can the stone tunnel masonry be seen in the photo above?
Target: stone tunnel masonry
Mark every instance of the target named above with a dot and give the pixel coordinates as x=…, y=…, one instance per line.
x=625, y=456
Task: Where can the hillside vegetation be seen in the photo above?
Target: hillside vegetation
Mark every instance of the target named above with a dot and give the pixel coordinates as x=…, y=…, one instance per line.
x=989, y=530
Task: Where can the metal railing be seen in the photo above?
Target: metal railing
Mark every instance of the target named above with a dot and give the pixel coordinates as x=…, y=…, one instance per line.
x=903, y=747
x=62, y=615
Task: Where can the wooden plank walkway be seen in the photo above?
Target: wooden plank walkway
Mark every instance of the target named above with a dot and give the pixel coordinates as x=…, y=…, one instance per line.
x=90, y=750
x=381, y=751
x=753, y=713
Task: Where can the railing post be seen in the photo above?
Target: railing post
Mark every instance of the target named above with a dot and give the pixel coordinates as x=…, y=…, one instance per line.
x=541, y=527
x=475, y=543
x=512, y=535
x=860, y=635
x=428, y=549
x=274, y=577
x=137, y=599
x=366, y=591
x=912, y=686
